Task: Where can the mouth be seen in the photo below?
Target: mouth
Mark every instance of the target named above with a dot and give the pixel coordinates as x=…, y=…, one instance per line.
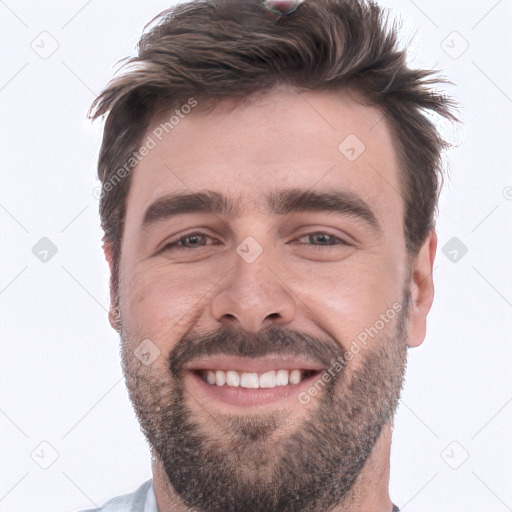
x=252, y=380
x=243, y=382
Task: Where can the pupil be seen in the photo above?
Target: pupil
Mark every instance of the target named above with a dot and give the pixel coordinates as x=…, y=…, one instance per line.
x=323, y=238
x=193, y=239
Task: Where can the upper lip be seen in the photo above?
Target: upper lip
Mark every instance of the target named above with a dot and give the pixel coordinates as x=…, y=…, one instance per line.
x=252, y=365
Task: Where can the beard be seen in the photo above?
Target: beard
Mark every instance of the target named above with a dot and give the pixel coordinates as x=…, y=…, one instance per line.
x=240, y=463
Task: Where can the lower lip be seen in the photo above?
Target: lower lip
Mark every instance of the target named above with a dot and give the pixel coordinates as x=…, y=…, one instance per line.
x=248, y=397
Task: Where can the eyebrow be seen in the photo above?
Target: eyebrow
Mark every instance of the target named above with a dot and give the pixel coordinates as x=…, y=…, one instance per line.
x=282, y=202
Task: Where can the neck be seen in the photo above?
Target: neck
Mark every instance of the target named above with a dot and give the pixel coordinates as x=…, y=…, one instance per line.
x=369, y=493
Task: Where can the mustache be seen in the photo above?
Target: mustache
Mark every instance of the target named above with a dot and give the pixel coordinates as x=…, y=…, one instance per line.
x=272, y=341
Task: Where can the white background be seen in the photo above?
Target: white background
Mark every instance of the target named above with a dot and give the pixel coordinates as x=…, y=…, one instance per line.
x=60, y=378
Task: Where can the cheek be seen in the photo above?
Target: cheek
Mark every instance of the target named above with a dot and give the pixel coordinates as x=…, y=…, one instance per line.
x=349, y=298
x=161, y=304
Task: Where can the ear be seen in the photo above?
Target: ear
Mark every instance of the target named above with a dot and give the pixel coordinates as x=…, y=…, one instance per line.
x=421, y=287
x=113, y=317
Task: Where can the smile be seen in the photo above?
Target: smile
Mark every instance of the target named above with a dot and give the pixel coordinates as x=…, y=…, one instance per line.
x=250, y=380
x=243, y=382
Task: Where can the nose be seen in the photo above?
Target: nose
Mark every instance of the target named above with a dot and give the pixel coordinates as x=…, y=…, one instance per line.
x=252, y=297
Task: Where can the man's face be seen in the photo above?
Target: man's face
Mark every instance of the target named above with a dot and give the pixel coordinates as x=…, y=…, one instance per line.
x=267, y=283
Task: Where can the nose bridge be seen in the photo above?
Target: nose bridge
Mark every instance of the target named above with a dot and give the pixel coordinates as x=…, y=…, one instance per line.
x=252, y=294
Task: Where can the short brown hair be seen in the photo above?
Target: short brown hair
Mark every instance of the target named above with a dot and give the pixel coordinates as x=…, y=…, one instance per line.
x=215, y=49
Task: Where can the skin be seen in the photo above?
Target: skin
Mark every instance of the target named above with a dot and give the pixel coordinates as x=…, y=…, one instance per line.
x=277, y=140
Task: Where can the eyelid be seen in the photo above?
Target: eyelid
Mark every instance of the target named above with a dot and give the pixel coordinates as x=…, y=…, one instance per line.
x=330, y=235
x=180, y=237
x=172, y=243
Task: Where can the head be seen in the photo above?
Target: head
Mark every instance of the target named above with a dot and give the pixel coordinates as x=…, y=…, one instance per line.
x=270, y=184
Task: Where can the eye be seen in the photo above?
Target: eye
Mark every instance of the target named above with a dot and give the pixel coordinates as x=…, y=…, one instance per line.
x=325, y=240
x=189, y=242
x=197, y=240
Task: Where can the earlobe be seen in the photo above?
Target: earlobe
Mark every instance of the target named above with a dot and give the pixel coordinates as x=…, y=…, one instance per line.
x=421, y=287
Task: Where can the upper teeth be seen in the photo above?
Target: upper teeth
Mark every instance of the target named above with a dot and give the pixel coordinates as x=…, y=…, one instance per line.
x=268, y=379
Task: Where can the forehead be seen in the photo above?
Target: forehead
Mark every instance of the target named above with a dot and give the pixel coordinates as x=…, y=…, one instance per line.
x=279, y=140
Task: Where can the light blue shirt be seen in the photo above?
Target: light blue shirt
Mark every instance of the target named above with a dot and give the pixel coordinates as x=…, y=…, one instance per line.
x=141, y=500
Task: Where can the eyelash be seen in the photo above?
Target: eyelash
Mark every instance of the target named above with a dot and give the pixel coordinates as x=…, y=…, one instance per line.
x=173, y=244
